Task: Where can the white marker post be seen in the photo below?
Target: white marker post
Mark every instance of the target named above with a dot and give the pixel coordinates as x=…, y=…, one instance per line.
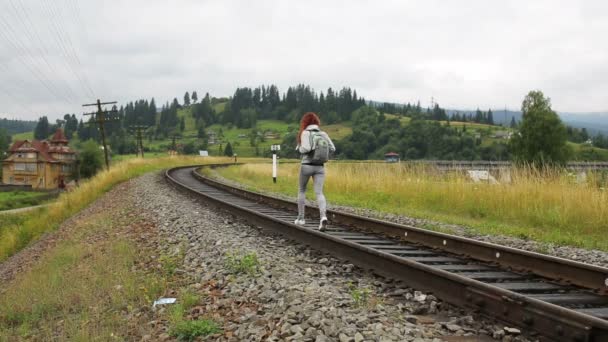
x=274, y=149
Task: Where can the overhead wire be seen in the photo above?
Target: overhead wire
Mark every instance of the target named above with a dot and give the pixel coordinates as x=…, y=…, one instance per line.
x=10, y=37
x=62, y=37
x=36, y=56
x=33, y=36
x=28, y=59
x=73, y=50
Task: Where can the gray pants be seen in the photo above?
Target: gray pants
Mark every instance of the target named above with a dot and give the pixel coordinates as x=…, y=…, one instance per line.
x=318, y=177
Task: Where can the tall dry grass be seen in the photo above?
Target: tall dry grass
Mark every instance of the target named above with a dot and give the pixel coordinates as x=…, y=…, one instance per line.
x=13, y=237
x=544, y=204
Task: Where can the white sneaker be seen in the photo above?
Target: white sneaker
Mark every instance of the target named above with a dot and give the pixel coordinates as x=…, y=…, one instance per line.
x=299, y=221
x=323, y=224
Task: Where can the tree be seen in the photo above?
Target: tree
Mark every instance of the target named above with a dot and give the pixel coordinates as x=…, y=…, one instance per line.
x=91, y=159
x=42, y=130
x=513, y=123
x=228, y=150
x=5, y=139
x=542, y=135
x=182, y=124
x=194, y=96
x=490, y=117
x=201, y=133
x=186, y=99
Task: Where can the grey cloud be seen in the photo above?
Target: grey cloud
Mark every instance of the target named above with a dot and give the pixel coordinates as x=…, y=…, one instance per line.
x=464, y=54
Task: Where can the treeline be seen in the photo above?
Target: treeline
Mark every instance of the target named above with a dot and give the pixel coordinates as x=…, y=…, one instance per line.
x=412, y=111
x=415, y=111
x=5, y=140
x=44, y=129
x=374, y=135
x=16, y=126
x=265, y=102
x=479, y=117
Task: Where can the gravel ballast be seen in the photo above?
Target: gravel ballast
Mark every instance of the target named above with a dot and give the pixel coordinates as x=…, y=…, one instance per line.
x=295, y=293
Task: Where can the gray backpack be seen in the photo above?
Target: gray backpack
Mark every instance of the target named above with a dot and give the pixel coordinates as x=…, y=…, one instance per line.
x=319, y=144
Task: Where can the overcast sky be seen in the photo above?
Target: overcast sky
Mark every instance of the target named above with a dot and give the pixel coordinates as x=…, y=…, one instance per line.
x=57, y=54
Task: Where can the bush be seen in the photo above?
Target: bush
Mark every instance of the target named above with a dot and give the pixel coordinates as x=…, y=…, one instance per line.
x=91, y=159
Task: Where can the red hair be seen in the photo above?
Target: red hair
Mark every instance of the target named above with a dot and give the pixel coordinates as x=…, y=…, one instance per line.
x=309, y=118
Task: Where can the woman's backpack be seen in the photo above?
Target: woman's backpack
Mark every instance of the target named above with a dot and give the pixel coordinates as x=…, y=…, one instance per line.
x=319, y=153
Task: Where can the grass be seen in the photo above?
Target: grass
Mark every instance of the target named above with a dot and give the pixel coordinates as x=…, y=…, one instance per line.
x=23, y=136
x=547, y=206
x=14, y=237
x=475, y=125
x=93, y=282
x=190, y=330
x=20, y=199
x=242, y=263
x=79, y=290
x=404, y=120
x=360, y=296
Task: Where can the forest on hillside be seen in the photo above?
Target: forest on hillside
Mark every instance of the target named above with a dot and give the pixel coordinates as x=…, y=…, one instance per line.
x=408, y=129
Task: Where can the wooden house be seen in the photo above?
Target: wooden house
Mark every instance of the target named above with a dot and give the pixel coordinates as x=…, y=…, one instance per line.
x=43, y=164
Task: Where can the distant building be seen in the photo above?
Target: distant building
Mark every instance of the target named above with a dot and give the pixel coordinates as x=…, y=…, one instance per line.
x=272, y=135
x=41, y=164
x=502, y=135
x=391, y=157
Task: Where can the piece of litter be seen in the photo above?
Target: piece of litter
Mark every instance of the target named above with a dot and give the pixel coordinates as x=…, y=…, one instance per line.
x=162, y=301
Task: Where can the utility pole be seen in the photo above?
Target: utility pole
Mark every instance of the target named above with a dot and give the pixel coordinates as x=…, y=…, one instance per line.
x=139, y=137
x=101, y=117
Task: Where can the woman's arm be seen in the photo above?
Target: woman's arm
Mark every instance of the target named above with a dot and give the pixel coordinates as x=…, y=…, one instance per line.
x=305, y=143
x=332, y=147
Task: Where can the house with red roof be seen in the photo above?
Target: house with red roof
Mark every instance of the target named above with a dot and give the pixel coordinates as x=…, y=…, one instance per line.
x=42, y=164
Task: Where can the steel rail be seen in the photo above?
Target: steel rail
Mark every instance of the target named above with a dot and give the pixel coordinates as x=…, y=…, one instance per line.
x=537, y=310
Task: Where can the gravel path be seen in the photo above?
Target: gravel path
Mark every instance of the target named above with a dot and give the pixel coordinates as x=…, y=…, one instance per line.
x=296, y=294
x=594, y=257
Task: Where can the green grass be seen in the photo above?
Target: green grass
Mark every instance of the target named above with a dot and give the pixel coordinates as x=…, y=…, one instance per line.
x=16, y=236
x=543, y=206
x=23, y=136
x=21, y=199
x=190, y=126
x=360, y=295
x=190, y=330
x=242, y=263
x=80, y=289
x=584, y=152
x=403, y=119
x=219, y=107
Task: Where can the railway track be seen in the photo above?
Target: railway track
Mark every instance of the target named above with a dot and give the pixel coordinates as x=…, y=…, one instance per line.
x=554, y=298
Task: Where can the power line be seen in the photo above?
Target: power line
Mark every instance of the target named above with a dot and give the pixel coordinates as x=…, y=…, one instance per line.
x=67, y=46
x=33, y=68
x=139, y=137
x=23, y=16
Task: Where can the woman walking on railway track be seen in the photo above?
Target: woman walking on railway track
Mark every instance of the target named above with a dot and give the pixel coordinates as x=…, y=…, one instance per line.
x=315, y=147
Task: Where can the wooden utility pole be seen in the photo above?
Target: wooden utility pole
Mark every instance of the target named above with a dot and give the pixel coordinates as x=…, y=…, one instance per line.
x=101, y=117
x=138, y=136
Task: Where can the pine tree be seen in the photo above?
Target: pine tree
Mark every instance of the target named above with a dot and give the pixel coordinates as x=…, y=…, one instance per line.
x=228, y=150
x=186, y=99
x=490, y=117
x=513, y=123
x=194, y=96
x=42, y=130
